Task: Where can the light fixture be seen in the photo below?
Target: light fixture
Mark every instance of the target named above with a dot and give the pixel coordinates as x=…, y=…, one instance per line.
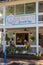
x=26, y=29
x=0, y=14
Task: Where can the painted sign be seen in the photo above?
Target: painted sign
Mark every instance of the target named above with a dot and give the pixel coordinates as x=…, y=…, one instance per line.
x=20, y=19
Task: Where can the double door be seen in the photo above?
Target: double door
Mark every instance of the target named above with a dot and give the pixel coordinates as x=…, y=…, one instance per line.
x=20, y=37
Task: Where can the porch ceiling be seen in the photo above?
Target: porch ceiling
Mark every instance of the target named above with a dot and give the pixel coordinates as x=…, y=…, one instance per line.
x=17, y=2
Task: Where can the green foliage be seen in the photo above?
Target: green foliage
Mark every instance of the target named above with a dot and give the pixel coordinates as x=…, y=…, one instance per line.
x=32, y=38
x=26, y=47
x=19, y=49
x=7, y=39
x=11, y=50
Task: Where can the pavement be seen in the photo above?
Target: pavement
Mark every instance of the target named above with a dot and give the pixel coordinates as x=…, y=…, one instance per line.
x=20, y=62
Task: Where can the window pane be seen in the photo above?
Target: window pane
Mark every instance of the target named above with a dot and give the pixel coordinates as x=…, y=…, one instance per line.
x=1, y=15
x=9, y=10
x=30, y=8
x=40, y=6
x=20, y=9
x=40, y=18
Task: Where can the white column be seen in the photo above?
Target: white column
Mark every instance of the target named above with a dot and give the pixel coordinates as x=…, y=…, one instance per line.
x=4, y=31
x=37, y=28
x=37, y=39
x=4, y=11
x=4, y=21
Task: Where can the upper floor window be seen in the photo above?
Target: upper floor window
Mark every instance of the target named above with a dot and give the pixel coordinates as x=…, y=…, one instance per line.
x=10, y=10
x=40, y=6
x=30, y=8
x=20, y=9
x=40, y=18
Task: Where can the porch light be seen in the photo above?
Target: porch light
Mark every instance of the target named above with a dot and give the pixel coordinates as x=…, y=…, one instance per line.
x=0, y=14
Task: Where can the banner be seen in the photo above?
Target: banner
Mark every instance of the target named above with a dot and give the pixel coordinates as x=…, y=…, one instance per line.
x=20, y=19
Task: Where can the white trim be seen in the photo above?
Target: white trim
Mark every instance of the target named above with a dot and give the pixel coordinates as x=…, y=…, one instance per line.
x=37, y=30
x=40, y=13
x=4, y=11
x=19, y=45
x=21, y=26
x=33, y=45
x=1, y=26
x=40, y=25
x=24, y=45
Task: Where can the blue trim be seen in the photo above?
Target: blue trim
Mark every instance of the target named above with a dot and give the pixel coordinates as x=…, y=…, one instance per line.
x=5, y=56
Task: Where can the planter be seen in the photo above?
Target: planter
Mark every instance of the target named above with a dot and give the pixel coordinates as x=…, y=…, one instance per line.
x=1, y=55
x=23, y=56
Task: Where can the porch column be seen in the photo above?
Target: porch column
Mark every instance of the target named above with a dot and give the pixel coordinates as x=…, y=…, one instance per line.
x=37, y=29
x=4, y=32
x=37, y=40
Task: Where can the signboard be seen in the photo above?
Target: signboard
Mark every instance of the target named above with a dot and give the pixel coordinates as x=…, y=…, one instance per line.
x=20, y=19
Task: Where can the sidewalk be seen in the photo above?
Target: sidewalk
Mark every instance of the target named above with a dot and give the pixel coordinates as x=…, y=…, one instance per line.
x=20, y=62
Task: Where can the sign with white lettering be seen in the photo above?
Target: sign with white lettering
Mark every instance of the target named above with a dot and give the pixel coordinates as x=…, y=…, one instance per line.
x=20, y=19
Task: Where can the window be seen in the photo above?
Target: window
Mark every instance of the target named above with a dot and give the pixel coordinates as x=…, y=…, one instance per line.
x=30, y=8
x=40, y=6
x=1, y=15
x=40, y=18
x=10, y=10
x=20, y=9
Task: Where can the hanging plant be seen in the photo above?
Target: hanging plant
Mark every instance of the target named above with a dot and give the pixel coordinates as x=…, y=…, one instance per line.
x=7, y=39
x=32, y=38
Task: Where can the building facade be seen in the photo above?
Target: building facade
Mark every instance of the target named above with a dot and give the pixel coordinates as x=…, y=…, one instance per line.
x=23, y=20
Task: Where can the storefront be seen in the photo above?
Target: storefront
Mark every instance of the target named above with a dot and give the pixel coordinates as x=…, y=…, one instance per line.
x=23, y=21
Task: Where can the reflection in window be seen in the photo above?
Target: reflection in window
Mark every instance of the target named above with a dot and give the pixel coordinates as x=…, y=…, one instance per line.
x=9, y=10
x=20, y=9
x=1, y=15
x=40, y=18
x=40, y=6
x=30, y=8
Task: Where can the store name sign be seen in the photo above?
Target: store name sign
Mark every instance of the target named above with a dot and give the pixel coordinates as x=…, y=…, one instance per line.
x=20, y=19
